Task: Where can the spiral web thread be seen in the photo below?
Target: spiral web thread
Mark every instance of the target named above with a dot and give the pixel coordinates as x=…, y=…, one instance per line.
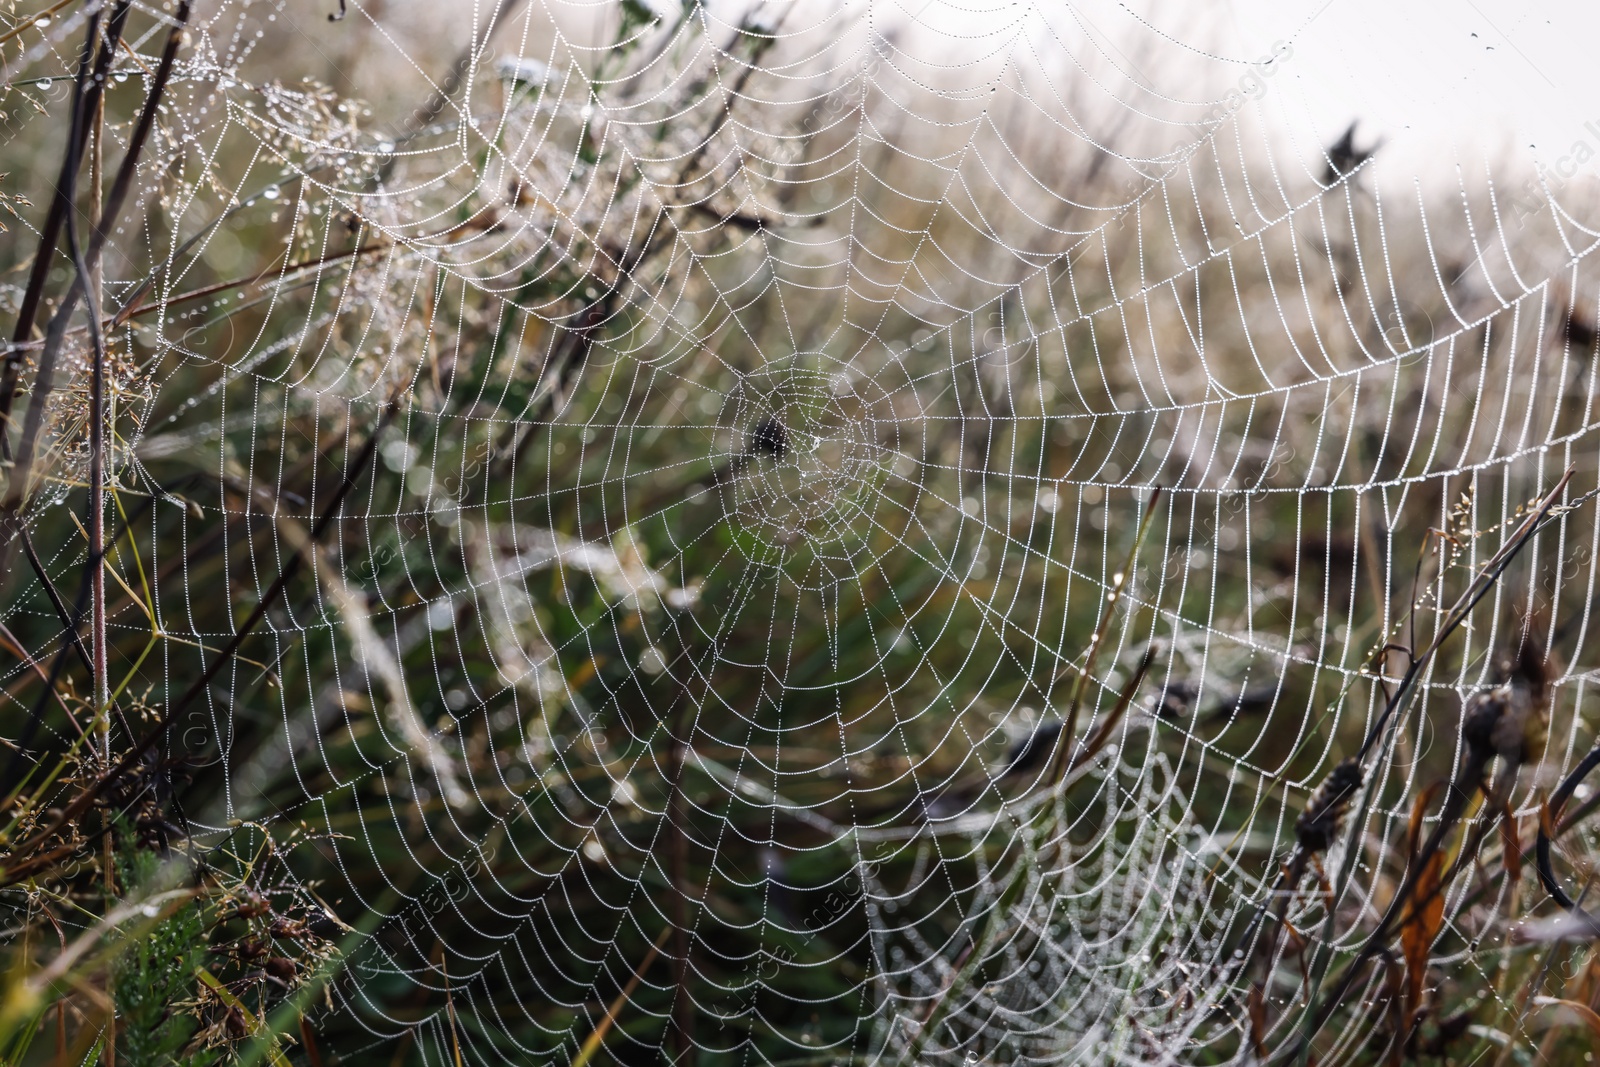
x=774, y=396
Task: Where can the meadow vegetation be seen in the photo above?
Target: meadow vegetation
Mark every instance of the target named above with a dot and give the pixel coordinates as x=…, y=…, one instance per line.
x=719, y=536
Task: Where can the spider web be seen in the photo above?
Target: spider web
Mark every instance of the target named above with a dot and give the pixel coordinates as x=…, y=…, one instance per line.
x=714, y=452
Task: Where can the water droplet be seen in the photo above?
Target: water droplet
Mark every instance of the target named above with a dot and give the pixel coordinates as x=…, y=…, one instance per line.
x=270, y=192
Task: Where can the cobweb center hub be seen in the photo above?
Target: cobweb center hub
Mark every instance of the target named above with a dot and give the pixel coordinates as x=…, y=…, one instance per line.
x=807, y=453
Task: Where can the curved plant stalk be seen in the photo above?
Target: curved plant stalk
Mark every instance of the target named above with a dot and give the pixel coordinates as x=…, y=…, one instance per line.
x=1067, y=754
x=1313, y=1011
x=597, y=1037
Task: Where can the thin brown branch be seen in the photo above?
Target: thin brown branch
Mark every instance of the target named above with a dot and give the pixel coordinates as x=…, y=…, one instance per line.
x=596, y=1038
x=32, y=20
x=60, y=206
x=276, y=273
x=44, y=380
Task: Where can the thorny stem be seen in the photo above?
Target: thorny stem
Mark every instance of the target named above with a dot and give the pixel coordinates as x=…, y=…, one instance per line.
x=69, y=622
x=279, y=274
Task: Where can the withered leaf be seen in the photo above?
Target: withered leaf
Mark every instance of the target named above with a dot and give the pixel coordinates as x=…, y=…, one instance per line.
x=1510, y=845
x=1423, y=912
x=1257, y=1006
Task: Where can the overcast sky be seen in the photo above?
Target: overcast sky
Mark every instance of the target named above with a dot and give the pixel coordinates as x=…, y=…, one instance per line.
x=1442, y=81
x=1472, y=78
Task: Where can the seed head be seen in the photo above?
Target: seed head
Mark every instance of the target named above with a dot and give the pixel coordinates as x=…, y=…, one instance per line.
x=1509, y=720
x=1319, y=823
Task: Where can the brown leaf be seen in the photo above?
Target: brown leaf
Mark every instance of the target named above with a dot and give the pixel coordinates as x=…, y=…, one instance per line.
x=1510, y=846
x=1257, y=1006
x=1424, y=917
x=1547, y=820
x=1419, y=810
x=1423, y=912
